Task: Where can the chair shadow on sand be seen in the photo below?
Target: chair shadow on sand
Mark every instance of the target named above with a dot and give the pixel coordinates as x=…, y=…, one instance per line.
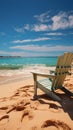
x=66, y=104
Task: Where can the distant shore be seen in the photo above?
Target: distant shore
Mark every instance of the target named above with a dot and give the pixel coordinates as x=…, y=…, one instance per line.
x=9, y=56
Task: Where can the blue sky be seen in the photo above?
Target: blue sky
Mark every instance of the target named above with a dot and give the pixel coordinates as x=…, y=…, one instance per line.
x=36, y=27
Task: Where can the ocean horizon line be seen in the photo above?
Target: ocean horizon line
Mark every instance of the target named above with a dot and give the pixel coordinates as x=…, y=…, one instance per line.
x=26, y=56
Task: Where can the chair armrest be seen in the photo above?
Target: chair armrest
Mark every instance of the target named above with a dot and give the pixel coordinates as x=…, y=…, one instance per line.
x=43, y=75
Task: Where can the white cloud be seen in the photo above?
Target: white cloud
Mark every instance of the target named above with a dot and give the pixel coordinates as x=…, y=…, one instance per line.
x=23, y=28
x=62, y=21
x=2, y=52
x=44, y=17
x=41, y=39
x=40, y=27
x=36, y=50
x=54, y=34
x=48, y=22
x=19, y=30
x=32, y=40
x=71, y=20
x=5, y=53
x=26, y=27
x=43, y=48
x=22, y=41
x=34, y=27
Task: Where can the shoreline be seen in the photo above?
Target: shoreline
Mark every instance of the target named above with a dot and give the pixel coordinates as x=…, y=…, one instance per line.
x=8, y=75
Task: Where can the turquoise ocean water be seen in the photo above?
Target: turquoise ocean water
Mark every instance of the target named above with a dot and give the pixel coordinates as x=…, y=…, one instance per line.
x=22, y=62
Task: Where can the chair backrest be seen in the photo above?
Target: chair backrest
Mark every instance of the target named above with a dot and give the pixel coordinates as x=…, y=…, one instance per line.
x=62, y=68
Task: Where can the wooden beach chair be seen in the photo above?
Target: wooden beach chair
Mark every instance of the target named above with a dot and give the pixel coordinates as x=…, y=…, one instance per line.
x=54, y=81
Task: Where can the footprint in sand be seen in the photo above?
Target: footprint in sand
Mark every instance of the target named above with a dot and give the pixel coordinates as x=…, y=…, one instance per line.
x=57, y=124
x=19, y=106
x=34, y=105
x=27, y=113
x=52, y=125
x=25, y=88
x=22, y=105
x=24, y=91
x=4, y=108
x=4, y=119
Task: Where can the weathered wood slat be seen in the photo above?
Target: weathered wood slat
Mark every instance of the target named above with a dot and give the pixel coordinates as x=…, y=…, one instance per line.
x=46, y=83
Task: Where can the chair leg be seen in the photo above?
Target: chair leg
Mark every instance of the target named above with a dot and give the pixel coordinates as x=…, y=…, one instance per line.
x=35, y=92
x=35, y=86
x=66, y=91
